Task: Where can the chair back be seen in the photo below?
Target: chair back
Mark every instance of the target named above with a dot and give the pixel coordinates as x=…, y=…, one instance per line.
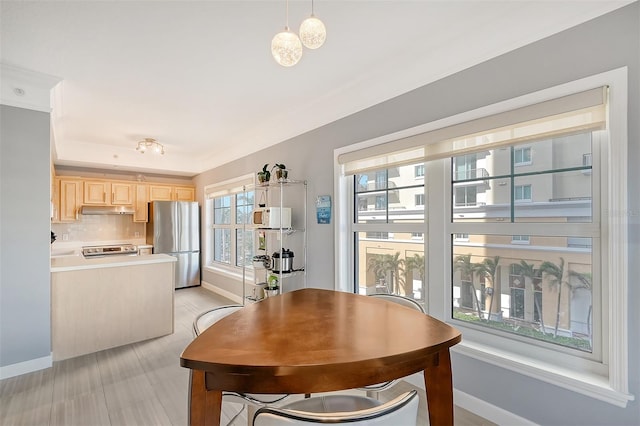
x=402, y=410
x=401, y=300
x=210, y=317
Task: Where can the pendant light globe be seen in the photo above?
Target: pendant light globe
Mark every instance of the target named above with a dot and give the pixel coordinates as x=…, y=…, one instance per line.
x=286, y=48
x=313, y=32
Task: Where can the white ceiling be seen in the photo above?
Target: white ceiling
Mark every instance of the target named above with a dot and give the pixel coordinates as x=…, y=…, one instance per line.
x=198, y=76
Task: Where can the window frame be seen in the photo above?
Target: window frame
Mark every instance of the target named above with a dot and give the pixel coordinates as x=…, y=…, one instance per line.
x=522, y=163
x=232, y=188
x=607, y=380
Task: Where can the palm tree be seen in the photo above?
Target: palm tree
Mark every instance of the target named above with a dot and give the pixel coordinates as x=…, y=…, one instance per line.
x=527, y=270
x=416, y=263
x=489, y=269
x=395, y=266
x=463, y=264
x=376, y=265
x=554, y=273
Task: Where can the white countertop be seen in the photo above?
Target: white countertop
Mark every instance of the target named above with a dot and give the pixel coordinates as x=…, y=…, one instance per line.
x=76, y=263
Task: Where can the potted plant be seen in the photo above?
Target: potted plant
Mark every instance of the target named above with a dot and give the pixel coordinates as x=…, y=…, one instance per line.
x=265, y=175
x=280, y=171
x=272, y=288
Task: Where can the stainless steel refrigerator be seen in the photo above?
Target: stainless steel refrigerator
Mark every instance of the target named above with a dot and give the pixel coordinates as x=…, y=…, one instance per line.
x=174, y=229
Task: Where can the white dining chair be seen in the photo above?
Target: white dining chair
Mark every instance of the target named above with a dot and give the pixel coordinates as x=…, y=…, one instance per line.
x=373, y=391
x=201, y=323
x=353, y=410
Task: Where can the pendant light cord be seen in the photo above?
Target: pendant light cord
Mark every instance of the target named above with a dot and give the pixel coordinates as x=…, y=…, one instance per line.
x=286, y=19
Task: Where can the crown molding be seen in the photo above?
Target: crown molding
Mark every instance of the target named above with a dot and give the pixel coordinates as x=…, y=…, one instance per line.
x=27, y=89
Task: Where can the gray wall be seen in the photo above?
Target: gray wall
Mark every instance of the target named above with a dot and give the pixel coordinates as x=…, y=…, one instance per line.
x=25, y=321
x=606, y=43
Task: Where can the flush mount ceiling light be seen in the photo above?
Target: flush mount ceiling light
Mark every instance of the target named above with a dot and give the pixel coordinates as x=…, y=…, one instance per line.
x=312, y=31
x=150, y=144
x=286, y=47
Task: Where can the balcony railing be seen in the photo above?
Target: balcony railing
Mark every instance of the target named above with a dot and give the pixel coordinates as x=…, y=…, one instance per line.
x=471, y=177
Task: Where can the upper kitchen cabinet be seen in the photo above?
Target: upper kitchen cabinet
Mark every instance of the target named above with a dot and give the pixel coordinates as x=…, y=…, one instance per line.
x=108, y=193
x=70, y=199
x=171, y=193
x=184, y=193
x=141, y=212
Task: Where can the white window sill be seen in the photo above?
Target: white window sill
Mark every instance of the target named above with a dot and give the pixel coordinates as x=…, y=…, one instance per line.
x=589, y=384
x=237, y=275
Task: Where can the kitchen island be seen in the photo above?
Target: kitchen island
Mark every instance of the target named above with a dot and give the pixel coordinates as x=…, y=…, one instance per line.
x=106, y=302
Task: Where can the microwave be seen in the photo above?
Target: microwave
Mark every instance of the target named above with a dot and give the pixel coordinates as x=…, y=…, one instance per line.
x=269, y=217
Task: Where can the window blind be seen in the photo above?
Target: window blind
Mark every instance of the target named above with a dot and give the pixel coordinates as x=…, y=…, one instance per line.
x=561, y=116
x=231, y=186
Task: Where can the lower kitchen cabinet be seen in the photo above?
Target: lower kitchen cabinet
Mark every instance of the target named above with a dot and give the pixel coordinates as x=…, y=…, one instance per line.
x=99, y=304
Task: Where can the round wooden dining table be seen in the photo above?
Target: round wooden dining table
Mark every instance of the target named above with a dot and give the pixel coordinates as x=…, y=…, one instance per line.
x=313, y=340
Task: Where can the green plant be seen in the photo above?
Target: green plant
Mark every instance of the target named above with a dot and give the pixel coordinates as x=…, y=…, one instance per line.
x=264, y=175
x=272, y=282
x=280, y=171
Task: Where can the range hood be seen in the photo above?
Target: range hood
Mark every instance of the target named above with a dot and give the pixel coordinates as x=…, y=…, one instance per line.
x=107, y=210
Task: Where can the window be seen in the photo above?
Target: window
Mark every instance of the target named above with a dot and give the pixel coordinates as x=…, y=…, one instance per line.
x=229, y=242
x=530, y=273
x=390, y=246
x=465, y=196
x=522, y=156
x=465, y=167
x=522, y=192
x=419, y=171
x=519, y=239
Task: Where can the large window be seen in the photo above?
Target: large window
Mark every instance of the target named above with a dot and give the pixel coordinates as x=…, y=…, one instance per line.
x=229, y=241
x=530, y=252
x=389, y=225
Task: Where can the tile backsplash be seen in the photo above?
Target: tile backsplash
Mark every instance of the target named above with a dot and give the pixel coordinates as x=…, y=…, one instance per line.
x=93, y=228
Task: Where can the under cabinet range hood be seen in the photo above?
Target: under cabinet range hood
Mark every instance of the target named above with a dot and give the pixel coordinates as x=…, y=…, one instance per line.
x=107, y=210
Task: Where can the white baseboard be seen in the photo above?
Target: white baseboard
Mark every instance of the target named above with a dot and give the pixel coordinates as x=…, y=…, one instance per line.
x=25, y=367
x=488, y=411
x=477, y=406
x=212, y=288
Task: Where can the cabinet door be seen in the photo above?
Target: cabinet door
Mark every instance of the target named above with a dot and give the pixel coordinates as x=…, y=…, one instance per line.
x=160, y=193
x=70, y=198
x=121, y=194
x=95, y=192
x=184, y=193
x=141, y=213
x=55, y=200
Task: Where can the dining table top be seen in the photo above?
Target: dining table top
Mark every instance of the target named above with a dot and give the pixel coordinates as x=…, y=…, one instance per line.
x=316, y=340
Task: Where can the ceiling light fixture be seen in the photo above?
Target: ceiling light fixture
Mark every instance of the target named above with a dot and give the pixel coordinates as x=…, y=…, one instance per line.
x=312, y=31
x=286, y=47
x=150, y=144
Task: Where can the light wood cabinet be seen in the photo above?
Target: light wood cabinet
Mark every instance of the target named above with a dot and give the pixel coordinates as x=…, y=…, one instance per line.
x=141, y=213
x=184, y=193
x=122, y=194
x=160, y=193
x=69, y=194
x=70, y=191
x=108, y=193
x=171, y=193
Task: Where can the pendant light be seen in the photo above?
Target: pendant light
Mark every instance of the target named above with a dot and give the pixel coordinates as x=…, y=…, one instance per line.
x=312, y=31
x=286, y=47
